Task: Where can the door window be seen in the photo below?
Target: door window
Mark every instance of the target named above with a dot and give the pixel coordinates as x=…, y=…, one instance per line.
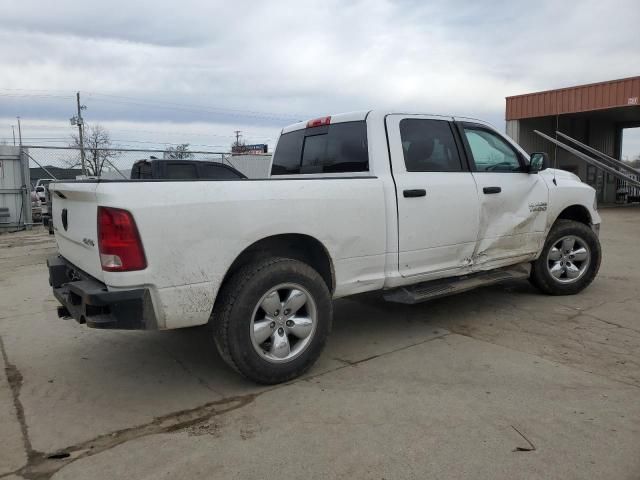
x=490, y=152
x=429, y=146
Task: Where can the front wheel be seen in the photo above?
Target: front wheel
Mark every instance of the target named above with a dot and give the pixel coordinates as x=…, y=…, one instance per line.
x=271, y=319
x=569, y=261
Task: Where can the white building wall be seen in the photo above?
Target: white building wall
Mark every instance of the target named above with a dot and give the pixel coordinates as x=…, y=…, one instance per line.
x=253, y=166
x=15, y=188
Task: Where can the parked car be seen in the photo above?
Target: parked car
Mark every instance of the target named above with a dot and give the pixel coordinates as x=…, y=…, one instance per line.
x=36, y=207
x=40, y=188
x=416, y=206
x=183, y=170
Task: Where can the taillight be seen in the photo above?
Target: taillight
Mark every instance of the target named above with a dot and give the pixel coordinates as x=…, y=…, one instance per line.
x=318, y=122
x=118, y=241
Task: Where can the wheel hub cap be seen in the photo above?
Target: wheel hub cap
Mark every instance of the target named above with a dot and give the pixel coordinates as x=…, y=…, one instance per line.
x=568, y=259
x=283, y=323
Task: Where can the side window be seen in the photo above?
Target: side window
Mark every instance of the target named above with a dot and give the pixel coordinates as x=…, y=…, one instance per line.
x=338, y=148
x=490, y=152
x=429, y=146
x=217, y=172
x=286, y=158
x=181, y=171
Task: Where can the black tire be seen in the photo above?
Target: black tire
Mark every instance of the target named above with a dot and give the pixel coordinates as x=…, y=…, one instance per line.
x=541, y=277
x=232, y=317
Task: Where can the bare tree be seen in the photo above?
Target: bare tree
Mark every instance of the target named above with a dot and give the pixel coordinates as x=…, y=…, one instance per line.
x=179, y=152
x=96, y=139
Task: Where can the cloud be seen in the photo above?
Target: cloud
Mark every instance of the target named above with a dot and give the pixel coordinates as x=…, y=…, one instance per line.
x=290, y=59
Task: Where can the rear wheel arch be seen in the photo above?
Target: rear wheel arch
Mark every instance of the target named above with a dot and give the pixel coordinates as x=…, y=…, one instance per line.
x=304, y=248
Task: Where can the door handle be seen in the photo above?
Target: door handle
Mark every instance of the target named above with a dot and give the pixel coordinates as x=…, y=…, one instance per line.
x=418, y=192
x=490, y=190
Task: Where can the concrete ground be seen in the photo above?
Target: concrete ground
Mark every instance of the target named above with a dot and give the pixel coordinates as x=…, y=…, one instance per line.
x=498, y=383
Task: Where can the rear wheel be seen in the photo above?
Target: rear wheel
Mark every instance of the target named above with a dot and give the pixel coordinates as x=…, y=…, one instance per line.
x=569, y=261
x=271, y=319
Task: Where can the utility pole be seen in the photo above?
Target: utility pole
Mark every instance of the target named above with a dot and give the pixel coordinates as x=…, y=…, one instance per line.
x=80, y=128
x=13, y=130
x=19, y=131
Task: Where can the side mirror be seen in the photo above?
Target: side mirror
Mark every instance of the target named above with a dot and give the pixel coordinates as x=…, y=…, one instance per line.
x=538, y=161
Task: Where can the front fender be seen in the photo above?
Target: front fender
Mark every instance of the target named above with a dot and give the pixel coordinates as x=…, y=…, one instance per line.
x=565, y=191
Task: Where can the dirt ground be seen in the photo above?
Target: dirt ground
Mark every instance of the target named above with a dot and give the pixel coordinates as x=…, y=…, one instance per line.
x=498, y=383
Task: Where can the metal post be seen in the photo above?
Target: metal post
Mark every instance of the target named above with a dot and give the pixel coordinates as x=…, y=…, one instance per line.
x=80, y=128
x=19, y=131
x=25, y=178
x=13, y=130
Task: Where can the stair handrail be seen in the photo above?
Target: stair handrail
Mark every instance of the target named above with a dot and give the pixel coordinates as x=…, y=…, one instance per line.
x=612, y=161
x=589, y=160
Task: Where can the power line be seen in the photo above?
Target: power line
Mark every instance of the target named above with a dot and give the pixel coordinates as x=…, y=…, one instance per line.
x=151, y=103
x=116, y=142
x=158, y=132
x=35, y=90
x=218, y=111
x=199, y=107
x=14, y=95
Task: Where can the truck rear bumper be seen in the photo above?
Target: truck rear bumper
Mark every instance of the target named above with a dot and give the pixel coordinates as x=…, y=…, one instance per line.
x=89, y=301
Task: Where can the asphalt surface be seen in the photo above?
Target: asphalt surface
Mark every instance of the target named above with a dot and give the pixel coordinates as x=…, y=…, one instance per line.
x=498, y=383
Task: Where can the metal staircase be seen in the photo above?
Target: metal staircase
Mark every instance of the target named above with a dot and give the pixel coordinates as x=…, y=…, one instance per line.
x=628, y=178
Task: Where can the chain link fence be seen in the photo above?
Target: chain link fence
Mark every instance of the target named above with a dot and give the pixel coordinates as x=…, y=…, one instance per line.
x=64, y=163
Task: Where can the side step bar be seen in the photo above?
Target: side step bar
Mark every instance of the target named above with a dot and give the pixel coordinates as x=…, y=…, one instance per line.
x=424, y=291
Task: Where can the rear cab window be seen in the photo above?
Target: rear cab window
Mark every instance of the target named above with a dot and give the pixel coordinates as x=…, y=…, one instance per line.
x=335, y=148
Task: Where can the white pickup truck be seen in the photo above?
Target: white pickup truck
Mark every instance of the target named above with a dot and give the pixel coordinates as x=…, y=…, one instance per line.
x=416, y=206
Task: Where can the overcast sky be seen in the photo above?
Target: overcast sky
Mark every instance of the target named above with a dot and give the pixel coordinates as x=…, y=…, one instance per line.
x=194, y=71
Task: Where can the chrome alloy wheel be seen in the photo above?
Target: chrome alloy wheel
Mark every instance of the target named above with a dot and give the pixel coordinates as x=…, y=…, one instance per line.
x=568, y=259
x=283, y=323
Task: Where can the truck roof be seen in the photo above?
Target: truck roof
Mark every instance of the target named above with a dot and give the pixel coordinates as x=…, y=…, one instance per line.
x=362, y=115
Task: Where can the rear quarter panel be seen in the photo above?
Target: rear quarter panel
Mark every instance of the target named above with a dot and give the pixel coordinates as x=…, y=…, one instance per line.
x=193, y=231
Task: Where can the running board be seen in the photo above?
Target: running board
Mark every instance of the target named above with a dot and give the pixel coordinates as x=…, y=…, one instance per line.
x=421, y=292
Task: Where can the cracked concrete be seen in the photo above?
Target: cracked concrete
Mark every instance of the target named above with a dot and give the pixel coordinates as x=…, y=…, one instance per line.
x=495, y=383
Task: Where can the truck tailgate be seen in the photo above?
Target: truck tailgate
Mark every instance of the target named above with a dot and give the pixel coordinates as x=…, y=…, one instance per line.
x=74, y=218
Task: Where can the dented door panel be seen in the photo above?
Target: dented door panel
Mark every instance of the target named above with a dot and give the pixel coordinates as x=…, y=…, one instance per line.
x=513, y=222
